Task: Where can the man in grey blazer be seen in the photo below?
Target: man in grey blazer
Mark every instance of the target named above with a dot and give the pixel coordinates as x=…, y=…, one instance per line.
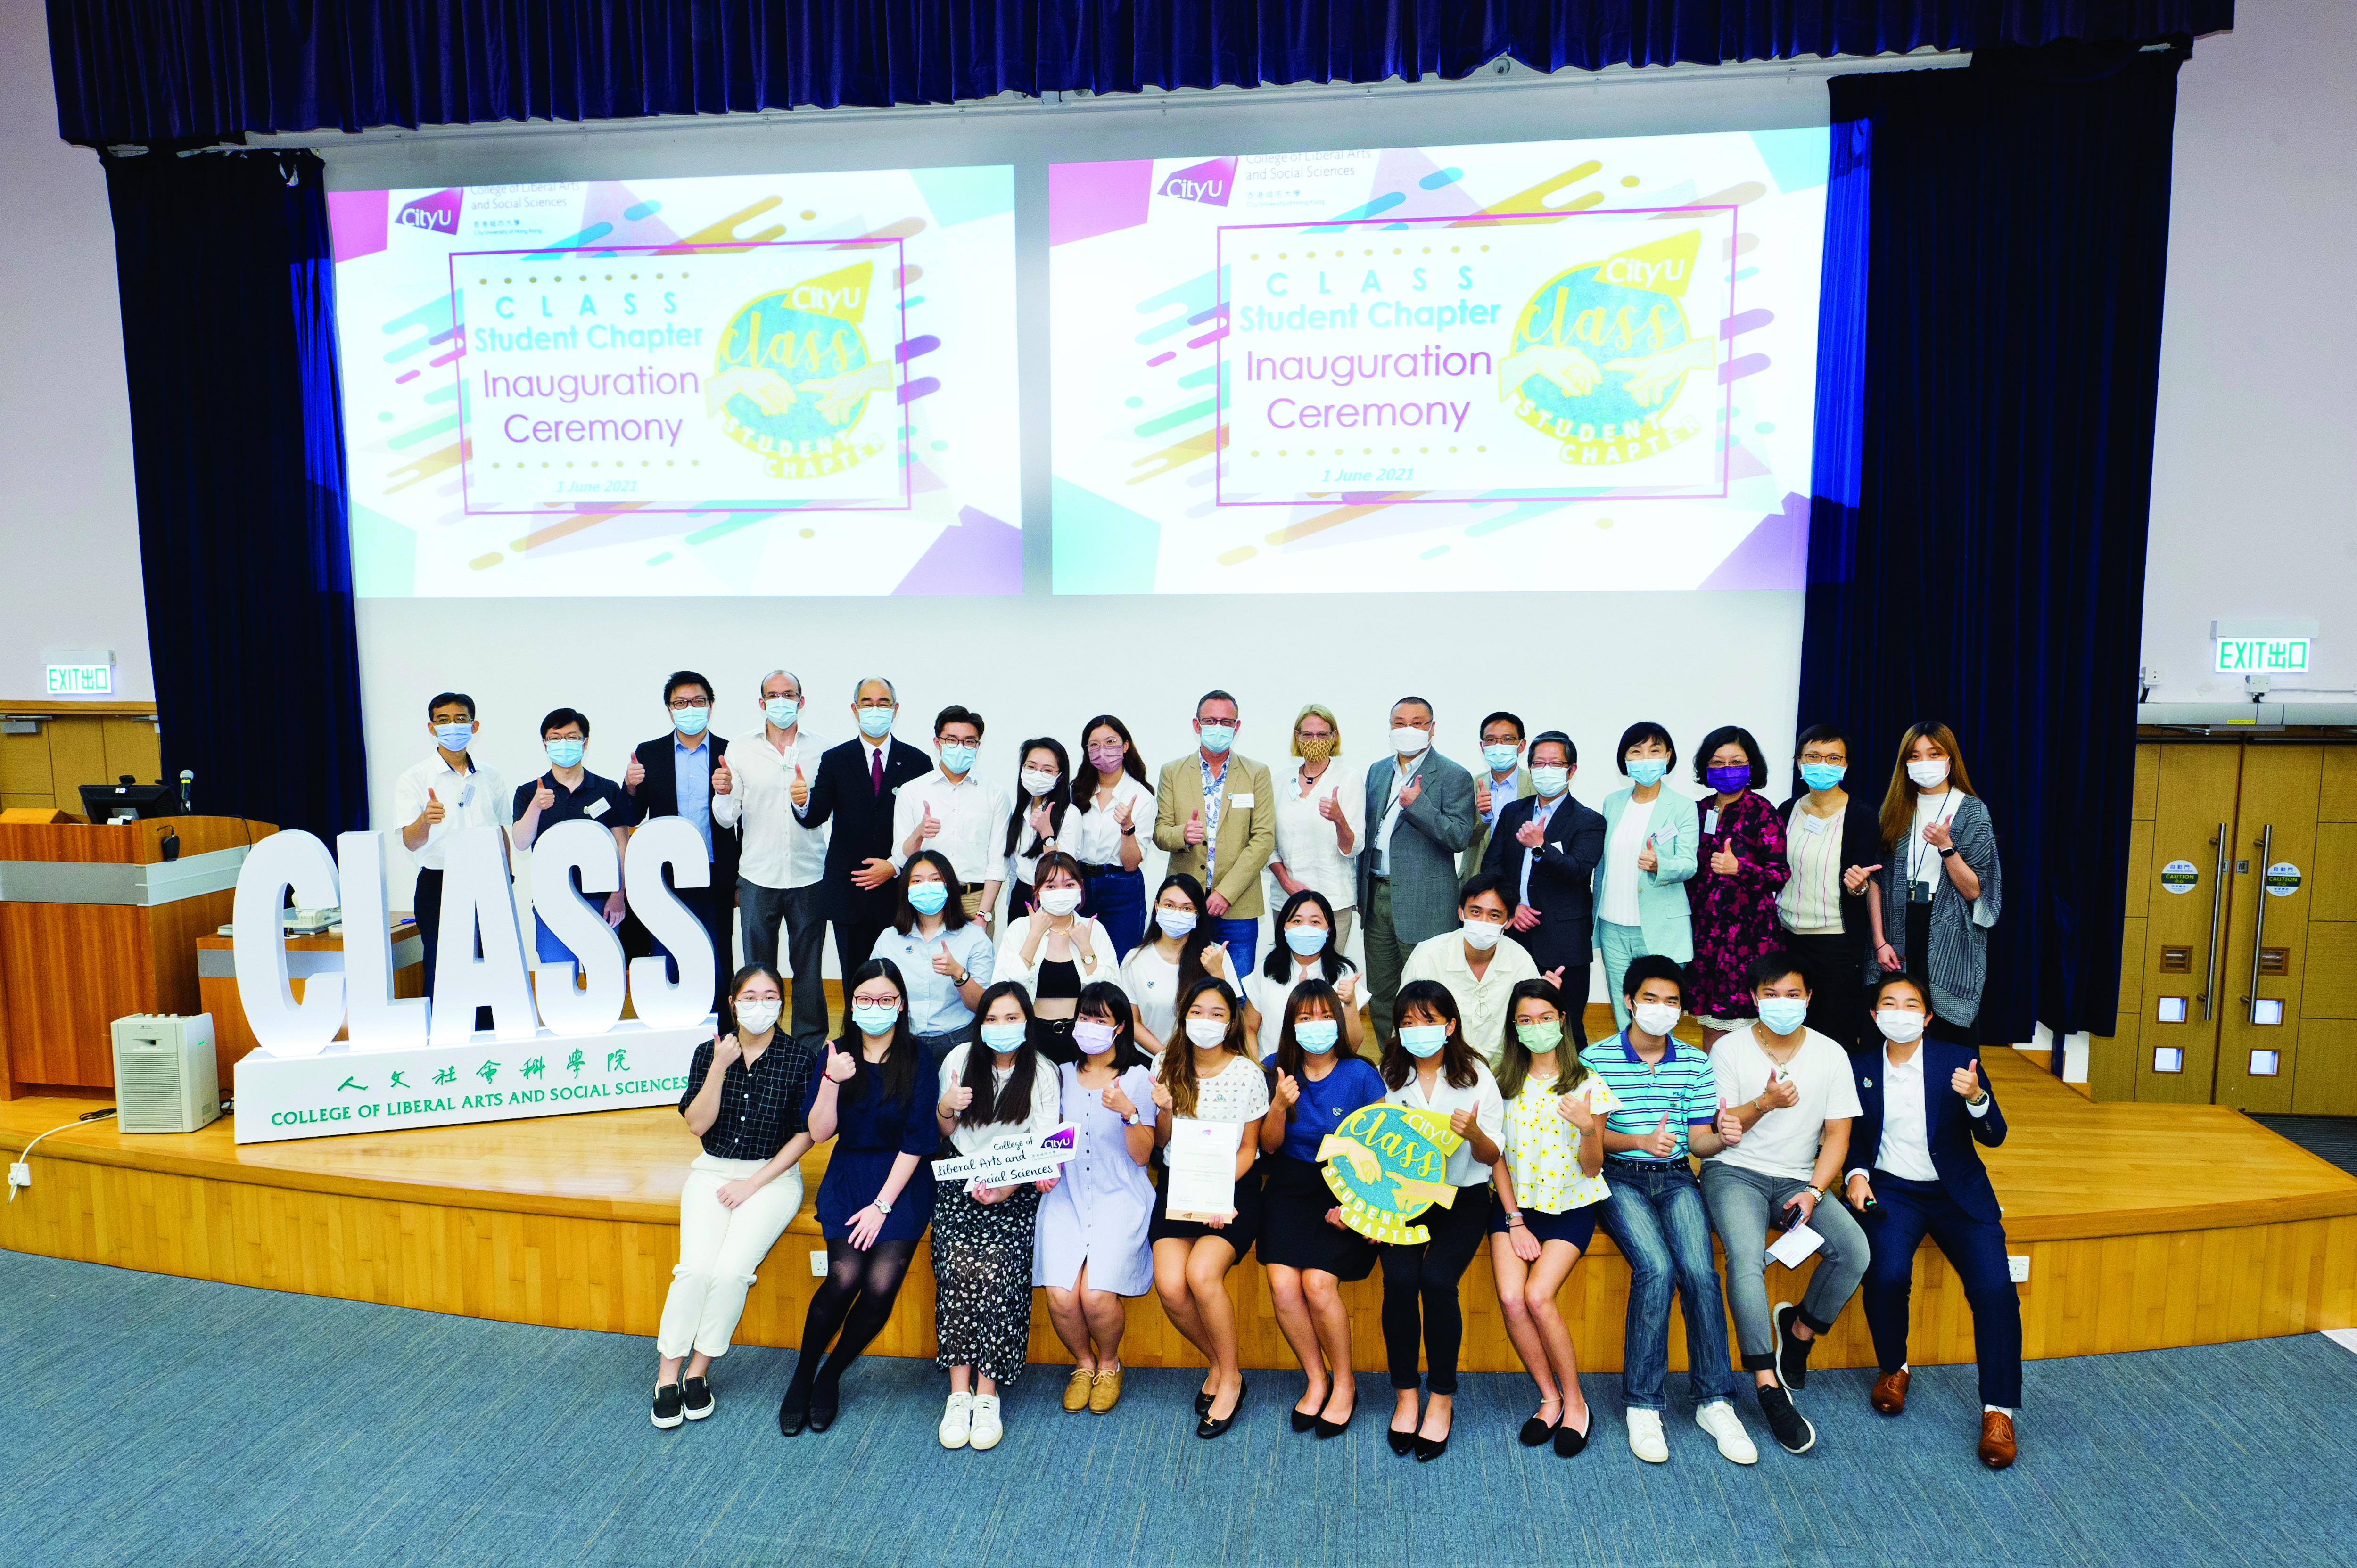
x=1419, y=819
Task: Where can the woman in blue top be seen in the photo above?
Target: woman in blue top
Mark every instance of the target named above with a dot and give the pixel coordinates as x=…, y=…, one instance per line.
x=1304, y=1245
x=873, y=1095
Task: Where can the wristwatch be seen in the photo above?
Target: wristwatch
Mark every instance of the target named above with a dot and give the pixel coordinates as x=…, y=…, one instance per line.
x=1947, y=850
x=1132, y=1119
x=1818, y=1193
x=880, y=1205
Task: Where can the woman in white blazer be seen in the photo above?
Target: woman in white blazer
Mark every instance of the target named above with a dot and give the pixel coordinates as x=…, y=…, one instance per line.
x=1054, y=952
x=1650, y=839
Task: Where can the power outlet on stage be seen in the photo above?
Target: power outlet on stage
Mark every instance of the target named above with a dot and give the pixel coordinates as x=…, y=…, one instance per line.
x=818, y=1266
x=2018, y=1265
x=20, y=1174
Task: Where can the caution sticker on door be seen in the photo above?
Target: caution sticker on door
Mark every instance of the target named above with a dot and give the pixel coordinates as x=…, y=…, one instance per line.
x=2282, y=879
x=2179, y=877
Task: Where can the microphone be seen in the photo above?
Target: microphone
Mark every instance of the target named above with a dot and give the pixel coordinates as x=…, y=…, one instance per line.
x=188, y=780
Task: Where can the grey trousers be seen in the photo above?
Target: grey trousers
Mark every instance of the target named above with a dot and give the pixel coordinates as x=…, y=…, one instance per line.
x=1741, y=1202
x=761, y=910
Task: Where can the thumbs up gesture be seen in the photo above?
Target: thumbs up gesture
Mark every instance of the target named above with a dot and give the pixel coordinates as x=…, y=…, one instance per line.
x=1481, y=795
x=434, y=809
x=1966, y=1080
x=1121, y=813
x=1731, y=1125
x=799, y=788
x=1461, y=1121
x=839, y=1064
x=929, y=826
x=1853, y=878
x=1723, y=861
x=722, y=780
x=1289, y=1091
x=1529, y=835
x=634, y=775
x=1330, y=807
x=543, y=796
x=1409, y=796
x=956, y=1100
x=1195, y=825
x=1574, y=1108
x=1660, y=1143
x=1781, y=1092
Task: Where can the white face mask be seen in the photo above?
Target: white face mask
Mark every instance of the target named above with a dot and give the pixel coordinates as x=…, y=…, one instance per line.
x=1900, y=1026
x=1480, y=934
x=1039, y=780
x=1928, y=773
x=1656, y=1018
x=1059, y=900
x=757, y=1015
x=1409, y=742
x=1206, y=1032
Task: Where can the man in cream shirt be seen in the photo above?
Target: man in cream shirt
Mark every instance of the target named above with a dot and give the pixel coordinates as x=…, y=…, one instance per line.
x=782, y=866
x=1479, y=964
x=952, y=811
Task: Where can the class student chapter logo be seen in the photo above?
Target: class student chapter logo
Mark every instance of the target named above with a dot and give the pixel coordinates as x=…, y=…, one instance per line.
x=793, y=375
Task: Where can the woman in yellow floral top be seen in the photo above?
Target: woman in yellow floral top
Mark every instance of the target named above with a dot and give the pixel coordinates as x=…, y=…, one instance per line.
x=1549, y=1183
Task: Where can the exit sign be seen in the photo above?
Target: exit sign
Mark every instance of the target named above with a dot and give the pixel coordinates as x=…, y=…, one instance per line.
x=2262, y=655
x=81, y=679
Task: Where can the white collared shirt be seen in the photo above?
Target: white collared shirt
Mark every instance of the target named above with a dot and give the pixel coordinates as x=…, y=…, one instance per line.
x=1481, y=1098
x=1305, y=839
x=779, y=851
x=477, y=798
x=1906, y=1148
x=1093, y=838
x=1391, y=808
x=973, y=823
x=1480, y=1002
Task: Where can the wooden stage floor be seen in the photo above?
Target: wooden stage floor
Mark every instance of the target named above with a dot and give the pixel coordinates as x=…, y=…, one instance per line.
x=2145, y=1226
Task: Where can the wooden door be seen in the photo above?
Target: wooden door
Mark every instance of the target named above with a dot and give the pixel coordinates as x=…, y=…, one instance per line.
x=2183, y=993
x=2265, y=956
x=2325, y=1083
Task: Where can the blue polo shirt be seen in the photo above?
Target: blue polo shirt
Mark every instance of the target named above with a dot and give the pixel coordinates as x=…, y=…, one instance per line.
x=1680, y=1086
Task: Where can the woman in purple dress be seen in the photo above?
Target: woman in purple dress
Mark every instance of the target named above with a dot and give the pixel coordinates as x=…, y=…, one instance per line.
x=1732, y=894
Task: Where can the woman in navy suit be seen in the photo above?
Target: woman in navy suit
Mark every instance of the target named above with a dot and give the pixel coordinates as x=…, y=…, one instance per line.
x=1926, y=1103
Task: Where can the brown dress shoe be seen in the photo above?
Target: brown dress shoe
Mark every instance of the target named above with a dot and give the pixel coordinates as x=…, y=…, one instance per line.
x=1997, y=1439
x=1889, y=1395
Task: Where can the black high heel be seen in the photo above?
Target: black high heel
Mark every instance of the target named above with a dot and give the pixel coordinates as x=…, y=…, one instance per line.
x=1335, y=1428
x=1427, y=1449
x=1208, y=1428
x=1304, y=1419
x=1400, y=1441
x=791, y=1417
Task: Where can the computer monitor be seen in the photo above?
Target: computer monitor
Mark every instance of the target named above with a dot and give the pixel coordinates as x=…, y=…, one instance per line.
x=126, y=801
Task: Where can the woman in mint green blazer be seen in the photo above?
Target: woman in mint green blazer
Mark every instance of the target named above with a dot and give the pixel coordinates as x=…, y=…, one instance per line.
x=1651, y=838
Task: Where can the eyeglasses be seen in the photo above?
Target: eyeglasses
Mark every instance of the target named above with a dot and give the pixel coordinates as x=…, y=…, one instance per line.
x=884, y=999
x=1825, y=757
x=681, y=705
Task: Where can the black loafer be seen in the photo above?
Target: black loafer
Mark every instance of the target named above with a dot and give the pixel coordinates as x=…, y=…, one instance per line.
x=791, y=1417
x=696, y=1398
x=1203, y=1402
x=1567, y=1442
x=821, y=1413
x=1535, y=1433
x=1208, y=1428
x=665, y=1413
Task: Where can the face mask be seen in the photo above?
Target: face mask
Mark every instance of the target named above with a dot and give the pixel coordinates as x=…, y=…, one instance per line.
x=1039, y=780
x=1206, y=1032
x=1424, y=1039
x=1217, y=738
x=1175, y=922
x=928, y=898
x=957, y=759
x=781, y=711
x=876, y=723
x=1002, y=1037
x=1409, y=742
x=1900, y=1026
x=1551, y=781
x=1480, y=934
x=453, y=737
x=690, y=721
x=1782, y=1015
x=1500, y=758
x=1095, y=1040
x=1060, y=901
x=1927, y=774
x=1730, y=780
x=1538, y=1037
x=1821, y=775
x=565, y=753
x=1314, y=747
x=1317, y=1035
x=1105, y=759
x=1646, y=770
x=1656, y=1018
x=875, y=1020
x=757, y=1017
x=1306, y=940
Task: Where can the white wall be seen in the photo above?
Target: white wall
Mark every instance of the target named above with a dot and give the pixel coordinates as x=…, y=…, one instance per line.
x=70, y=530
x=2252, y=473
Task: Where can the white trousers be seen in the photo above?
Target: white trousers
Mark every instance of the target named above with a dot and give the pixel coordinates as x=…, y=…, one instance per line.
x=719, y=1249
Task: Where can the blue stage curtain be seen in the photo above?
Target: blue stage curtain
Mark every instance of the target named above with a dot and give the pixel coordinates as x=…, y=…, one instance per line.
x=237, y=440
x=197, y=71
x=1989, y=352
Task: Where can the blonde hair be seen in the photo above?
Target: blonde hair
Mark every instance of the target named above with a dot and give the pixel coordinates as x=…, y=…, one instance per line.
x=1323, y=712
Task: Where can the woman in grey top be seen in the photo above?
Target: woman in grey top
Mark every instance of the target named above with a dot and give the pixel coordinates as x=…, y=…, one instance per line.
x=1940, y=880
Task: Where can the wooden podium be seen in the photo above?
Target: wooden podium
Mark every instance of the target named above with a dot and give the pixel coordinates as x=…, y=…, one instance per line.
x=95, y=923
x=305, y=956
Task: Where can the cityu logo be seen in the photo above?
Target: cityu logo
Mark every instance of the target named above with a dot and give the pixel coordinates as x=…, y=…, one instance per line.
x=1208, y=183
x=439, y=212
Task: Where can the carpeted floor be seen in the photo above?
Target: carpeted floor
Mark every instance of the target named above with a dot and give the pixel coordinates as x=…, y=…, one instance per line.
x=2331, y=1138
x=169, y=1420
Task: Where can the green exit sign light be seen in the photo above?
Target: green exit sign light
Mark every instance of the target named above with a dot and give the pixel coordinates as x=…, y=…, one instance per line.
x=2262, y=655
x=81, y=679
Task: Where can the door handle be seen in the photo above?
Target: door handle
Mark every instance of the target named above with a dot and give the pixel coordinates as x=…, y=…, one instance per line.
x=2217, y=901
x=2259, y=924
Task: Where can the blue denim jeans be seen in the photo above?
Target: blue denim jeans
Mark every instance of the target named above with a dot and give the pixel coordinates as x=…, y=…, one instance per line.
x=1116, y=900
x=1242, y=938
x=1655, y=1216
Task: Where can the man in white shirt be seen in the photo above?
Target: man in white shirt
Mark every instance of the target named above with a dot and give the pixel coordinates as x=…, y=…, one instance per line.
x=1479, y=964
x=447, y=792
x=952, y=811
x=781, y=861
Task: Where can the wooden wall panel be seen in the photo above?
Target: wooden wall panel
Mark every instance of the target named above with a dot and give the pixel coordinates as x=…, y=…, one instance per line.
x=2337, y=792
x=132, y=747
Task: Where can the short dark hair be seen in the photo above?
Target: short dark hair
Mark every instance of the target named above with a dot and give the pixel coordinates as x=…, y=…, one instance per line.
x=1771, y=967
x=1638, y=733
x=679, y=678
x=957, y=714
x=1424, y=703
x=1816, y=735
x=1730, y=735
x=444, y=699
x=1554, y=738
x=1482, y=882
x=559, y=717
x=1923, y=991
x=1500, y=718
x=1216, y=695
x=1653, y=966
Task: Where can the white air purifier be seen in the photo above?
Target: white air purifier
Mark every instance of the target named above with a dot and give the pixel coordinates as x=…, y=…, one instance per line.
x=166, y=1077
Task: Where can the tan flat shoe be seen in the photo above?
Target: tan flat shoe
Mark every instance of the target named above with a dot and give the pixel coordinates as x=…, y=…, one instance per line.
x=1997, y=1447
x=1104, y=1389
x=1077, y=1388
x=1889, y=1395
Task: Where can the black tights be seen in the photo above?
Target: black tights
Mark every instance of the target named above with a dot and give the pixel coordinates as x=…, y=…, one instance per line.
x=854, y=1299
x=1420, y=1291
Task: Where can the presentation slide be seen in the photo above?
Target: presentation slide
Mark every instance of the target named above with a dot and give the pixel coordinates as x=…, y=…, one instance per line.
x=1530, y=365
x=791, y=384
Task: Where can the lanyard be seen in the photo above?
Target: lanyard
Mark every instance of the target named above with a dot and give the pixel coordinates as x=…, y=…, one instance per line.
x=1917, y=848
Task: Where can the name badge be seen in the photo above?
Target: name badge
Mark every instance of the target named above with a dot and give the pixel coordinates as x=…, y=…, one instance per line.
x=1710, y=820
x=467, y=794
x=1244, y=800
x=1810, y=824
x=596, y=808
x=1919, y=892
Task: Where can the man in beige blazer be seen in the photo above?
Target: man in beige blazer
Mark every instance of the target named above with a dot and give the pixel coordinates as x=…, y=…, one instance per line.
x=1215, y=812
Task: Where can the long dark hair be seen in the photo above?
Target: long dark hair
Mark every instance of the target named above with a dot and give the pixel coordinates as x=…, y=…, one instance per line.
x=1899, y=802
x=904, y=919
x=1279, y=964
x=1084, y=774
x=1104, y=999
x=1012, y=1103
x=1192, y=945
x=1178, y=1051
x=1514, y=1058
x=898, y=1070
x=1290, y=1058
x=1059, y=798
x=1457, y=1060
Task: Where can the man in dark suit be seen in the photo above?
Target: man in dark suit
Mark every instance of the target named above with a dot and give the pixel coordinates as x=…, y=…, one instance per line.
x=676, y=775
x=1545, y=847
x=1419, y=819
x=853, y=790
x=1924, y=1104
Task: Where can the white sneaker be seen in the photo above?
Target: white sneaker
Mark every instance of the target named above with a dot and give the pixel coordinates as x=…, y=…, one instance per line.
x=1645, y=1440
x=957, y=1421
x=986, y=1429
x=1726, y=1428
